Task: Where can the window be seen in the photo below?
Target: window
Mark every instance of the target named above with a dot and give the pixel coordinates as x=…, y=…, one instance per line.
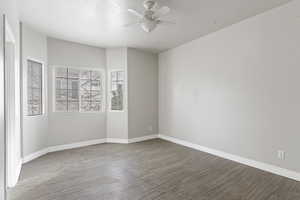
x=34, y=88
x=78, y=90
x=117, y=82
x=67, y=93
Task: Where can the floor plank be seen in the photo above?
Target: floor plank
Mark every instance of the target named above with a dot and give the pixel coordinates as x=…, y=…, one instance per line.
x=151, y=170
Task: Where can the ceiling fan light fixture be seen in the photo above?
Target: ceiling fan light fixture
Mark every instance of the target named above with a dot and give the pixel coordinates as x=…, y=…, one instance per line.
x=151, y=17
x=148, y=25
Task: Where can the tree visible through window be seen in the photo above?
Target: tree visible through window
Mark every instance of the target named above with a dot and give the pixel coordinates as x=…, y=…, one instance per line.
x=117, y=81
x=34, y=88
x=78, y=90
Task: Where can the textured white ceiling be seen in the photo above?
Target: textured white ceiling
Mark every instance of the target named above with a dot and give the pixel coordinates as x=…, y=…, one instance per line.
x=99, y=22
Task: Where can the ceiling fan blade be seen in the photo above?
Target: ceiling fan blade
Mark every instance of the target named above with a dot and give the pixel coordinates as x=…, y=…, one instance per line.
x=131, y=24
x=164, y=22
x=162, y=11
x=135, y=12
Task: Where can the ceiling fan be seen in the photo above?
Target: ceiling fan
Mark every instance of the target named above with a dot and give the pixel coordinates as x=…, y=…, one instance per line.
x=151, y=17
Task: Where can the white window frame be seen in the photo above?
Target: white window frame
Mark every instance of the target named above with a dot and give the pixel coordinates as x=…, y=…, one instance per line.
x=103, y=78
x=43, y=87
x=110, y=89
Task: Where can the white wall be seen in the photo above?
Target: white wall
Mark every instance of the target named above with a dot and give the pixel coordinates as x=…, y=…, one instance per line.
x=59, y=128
x=117, y=122
x=35, y=128
x=142, y=93
x=66, y=128
x=237, y=90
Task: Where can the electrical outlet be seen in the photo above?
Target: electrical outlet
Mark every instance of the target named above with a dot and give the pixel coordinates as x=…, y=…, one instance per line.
x=281, y=154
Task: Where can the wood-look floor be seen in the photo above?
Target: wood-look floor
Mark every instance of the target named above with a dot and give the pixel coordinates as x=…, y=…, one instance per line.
x=151, y=170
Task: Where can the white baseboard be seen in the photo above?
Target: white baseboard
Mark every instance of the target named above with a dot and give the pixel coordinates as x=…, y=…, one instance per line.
x=256, y=164
x=42, y=152
x=140, y=139
x=34, y=155
x=75, y=145
x=116, y=140
x=132, y=140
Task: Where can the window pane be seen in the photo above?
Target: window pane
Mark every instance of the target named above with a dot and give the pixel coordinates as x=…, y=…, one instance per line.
x=95, y=96
x=85, y=106
x=61, y=84
x=36, y=94
x=85, y=74
x=34, y=87
x=85, y=95
x=29, y=94
x=36, y=109
x=61, y=72
x=113, y=76
x=36, y=75
x=29, y=103
x=114, y=86
x=61, y=106
x=96, y=75
x=116, y=100
x=29, y=112
x=85, y=85
x=120, y=76
x=61, y=95
x=73, y=73
x=73, y=95
x=35, y=102
x=119, y=87
x=73, y=84
x=95, y=85
x=95, y=106
x=73, y=106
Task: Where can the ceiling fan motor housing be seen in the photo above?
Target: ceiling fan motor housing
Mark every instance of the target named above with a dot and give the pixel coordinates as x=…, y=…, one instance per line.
x=148, y=14
x=150, y=4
